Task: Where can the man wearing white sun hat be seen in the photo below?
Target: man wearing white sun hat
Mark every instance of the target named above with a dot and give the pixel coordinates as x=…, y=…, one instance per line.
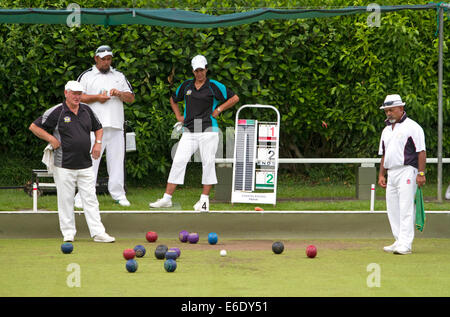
x=402, y=146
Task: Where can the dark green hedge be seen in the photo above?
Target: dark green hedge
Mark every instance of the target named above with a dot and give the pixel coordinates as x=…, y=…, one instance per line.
x=326, y=76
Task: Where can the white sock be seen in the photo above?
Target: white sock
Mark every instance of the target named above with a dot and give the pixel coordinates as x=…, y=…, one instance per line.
x=204, y=197
x=167, y=196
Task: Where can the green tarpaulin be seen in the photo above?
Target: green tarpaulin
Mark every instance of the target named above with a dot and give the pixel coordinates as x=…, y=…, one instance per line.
x=181, y=18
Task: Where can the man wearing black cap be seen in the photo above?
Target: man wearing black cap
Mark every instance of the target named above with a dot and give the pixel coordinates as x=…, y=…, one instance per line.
x=402, y=147
x=106, y=89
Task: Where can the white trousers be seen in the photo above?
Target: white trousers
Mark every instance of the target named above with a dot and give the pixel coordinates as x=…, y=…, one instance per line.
x=206, y=143
x=66, y=180
x=400, y=193
x=114, y=144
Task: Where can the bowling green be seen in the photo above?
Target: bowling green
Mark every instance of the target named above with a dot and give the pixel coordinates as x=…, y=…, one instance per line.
x=343, y=267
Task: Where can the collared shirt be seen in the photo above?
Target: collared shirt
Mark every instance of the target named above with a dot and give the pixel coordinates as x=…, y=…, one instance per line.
x=94, y=82
x=201, y=103
x=74, y=133
x=401, y=145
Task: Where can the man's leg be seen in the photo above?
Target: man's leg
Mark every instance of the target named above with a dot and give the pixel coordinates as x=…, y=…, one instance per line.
x=392, y=203
x=65, y=181
x=86, y=186
x=407, y=190
x=208, y=143
x=186, y=147
x=115, y=155
x=95, y=167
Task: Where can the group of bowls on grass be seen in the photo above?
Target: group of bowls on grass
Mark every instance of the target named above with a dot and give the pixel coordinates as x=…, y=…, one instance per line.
x=171, y=255
x=162, y=251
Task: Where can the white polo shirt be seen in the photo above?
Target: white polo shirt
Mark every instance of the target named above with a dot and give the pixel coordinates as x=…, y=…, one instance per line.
x=94, y=82
x=400, y=146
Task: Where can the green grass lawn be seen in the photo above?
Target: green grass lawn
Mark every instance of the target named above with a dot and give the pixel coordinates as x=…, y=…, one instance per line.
x=290, y=196
x=37, y=267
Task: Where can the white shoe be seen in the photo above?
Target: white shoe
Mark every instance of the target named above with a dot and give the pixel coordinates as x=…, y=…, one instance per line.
x=161, y=203
x=104, y=238
x=123, y=202
x=390, y=248
x=202, y=205
x=402, y=250
x=447, y=193
x=69, y=238
x=77, y=202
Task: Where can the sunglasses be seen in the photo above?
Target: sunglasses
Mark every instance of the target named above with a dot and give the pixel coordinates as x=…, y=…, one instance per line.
x=104, y=49
x=390, y=103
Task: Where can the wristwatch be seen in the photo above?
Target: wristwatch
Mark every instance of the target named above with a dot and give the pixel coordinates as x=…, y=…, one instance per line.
x=422, y=173
x=98, y=141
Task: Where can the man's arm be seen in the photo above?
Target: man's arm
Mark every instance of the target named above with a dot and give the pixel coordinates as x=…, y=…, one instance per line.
x=97, y=148
x=44, y=135
x=125, y=96
x=102, y=98
x=422, y=161
x=381, y=174
x=226, y=105
x=176, y=110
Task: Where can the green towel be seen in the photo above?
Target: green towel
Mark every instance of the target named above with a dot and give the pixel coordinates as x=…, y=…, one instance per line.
x=420, y=210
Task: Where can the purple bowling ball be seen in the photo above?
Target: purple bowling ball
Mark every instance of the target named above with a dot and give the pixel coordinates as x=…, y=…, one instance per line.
x=193, y=237
x=177, y=250
x=183, y=236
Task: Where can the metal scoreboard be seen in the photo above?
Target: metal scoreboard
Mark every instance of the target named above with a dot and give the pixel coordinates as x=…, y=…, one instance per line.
x=255, y=161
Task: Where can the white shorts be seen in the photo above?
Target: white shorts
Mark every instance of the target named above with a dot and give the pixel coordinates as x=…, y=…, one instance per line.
x=207, y=143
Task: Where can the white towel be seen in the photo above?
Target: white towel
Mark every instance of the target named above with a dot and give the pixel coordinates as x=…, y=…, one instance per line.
x=47, y=158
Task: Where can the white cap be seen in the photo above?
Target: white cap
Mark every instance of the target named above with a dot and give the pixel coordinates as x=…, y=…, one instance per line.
x=199, y=61
x=73, y=85
x=103, y=51
x=392, y=101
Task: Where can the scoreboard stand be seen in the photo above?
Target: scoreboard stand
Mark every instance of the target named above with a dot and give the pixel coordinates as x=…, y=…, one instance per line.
x=255, y=164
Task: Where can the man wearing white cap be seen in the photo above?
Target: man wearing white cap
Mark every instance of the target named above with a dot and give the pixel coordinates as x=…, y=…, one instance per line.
x=402, y=147
x=72, y=123
x=105, y=91
x=204, y=100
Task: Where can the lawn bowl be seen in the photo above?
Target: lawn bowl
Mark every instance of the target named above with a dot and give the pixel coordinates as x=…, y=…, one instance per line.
x=131, y=266
x=278, y=247
x=183, y=236
x=151, y=236
x=193, y=237
x=171, y=255
x=212, y=238
x=67, y=248
x=140, y=251
x=170, y=265
x=177, y=250
x=311, y=251
x=129, y=254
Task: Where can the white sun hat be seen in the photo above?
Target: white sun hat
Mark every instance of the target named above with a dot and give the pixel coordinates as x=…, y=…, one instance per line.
x=392, y=101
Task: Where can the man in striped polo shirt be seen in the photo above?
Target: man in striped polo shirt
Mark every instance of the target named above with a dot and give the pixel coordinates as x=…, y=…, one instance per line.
x=402, y=147
x=204, y=100
x=71, y=123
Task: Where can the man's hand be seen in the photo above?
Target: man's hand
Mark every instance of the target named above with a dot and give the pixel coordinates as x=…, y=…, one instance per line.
x=382, y=181
x=54, y=142
x=216, y=113
x=180, y=118
x=420, y=180
x=96, y=150
x=103, y=97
